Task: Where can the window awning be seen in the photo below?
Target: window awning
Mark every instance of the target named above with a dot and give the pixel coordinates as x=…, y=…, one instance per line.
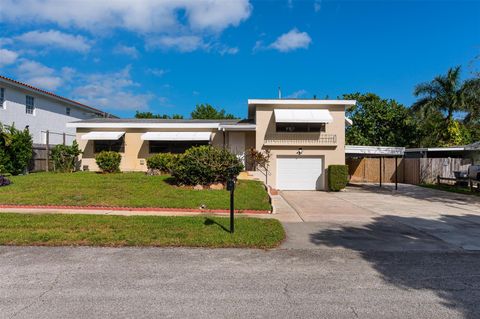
x=102, y=136
x=302, y=116
x=176, y=136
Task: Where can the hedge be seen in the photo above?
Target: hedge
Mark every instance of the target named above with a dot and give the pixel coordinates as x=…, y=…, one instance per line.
x=337, y=177
x=163, y=162
x=205, y=165
x=109, y=162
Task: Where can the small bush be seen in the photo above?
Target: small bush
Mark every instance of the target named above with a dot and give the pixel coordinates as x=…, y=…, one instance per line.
x=337, y=177
x=16, y=149
x=206, y=165
x=64, y=157
x=162, y=162
x=109, y=162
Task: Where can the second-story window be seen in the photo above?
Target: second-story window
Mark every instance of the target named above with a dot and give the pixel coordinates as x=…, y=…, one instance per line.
x=2, y=98
x=30, y=105
x=300, y=127
x=68, y=111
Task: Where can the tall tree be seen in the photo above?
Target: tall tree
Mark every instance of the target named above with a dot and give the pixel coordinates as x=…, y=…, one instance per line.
x=150, y=115
x=448, y=110
x=208, y=112
x=445, y=94
x=378, y=121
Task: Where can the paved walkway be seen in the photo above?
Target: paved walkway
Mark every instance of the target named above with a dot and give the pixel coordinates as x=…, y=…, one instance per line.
x=369, y=218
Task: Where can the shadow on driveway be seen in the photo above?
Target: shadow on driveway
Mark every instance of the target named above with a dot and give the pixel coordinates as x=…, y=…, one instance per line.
x=457, y=283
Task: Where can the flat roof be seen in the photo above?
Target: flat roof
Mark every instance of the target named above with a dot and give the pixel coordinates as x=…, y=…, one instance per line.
x=300, y=102
x=374, y=150
x=53, y=95
x=156, y=123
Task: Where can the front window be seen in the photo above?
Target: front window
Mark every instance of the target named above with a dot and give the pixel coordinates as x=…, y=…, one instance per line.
x=300, y=127
x=68, y=111
x=30, y=105
x=109, y=145
x=2, y=97
x=173, y=147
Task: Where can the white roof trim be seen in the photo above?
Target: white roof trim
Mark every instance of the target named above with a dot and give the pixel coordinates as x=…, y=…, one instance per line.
x=348, y=121
x=374, y=150
x=436, y=149
x=93, y=136
x=176, y=136
x=240, y=127
x=300, y=102
x=302, y=116
x=143, y=125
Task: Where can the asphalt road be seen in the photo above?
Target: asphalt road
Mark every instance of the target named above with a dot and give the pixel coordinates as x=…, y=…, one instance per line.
x=66, y=282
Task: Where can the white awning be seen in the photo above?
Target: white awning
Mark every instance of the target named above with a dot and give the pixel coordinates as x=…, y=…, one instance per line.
x=302, y=116
x=176, y=136
x=102, y=136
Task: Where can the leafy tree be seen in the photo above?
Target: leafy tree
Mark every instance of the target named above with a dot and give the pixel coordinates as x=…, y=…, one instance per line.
x=208, y=112
x=378, y=121
x=445, y=93
x=150, y=115
x=472, y=107
x=16, y=149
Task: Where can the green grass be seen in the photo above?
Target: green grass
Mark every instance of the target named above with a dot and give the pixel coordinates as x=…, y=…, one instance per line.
x=451, y=188
x=125, y=189
x=158, y=231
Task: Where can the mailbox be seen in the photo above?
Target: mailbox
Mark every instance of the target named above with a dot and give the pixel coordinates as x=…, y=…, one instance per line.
x=230, y=185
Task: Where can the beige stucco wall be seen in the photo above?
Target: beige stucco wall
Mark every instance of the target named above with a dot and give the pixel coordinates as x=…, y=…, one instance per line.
x=265, y=121
x=136, y=150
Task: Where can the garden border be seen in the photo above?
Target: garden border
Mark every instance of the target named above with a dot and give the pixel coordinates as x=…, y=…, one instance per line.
x=139, y=209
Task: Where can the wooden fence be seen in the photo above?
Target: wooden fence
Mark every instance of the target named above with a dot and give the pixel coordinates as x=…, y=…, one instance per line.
x=410, y=170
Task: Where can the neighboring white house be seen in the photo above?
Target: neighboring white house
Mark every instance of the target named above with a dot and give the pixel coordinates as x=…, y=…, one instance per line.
x=24, y=105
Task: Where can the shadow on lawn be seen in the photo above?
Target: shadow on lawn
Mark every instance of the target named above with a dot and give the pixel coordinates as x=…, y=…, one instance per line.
x=209, y=222
x=409, y=258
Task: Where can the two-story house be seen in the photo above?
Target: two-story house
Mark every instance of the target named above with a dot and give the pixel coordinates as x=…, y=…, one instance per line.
x=303, y=136
x=24, y=105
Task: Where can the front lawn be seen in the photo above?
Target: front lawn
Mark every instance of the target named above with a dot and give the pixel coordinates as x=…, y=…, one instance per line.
x=451, y=188
x=126, y=190
x=158, y=231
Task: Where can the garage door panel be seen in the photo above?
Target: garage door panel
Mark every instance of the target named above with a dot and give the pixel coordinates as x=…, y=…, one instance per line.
x=300, y=173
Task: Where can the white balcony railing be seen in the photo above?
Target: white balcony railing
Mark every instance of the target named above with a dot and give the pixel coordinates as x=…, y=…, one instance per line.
x=299, y=139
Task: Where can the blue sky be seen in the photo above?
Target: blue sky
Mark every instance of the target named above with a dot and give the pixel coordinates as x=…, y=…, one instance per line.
x=167, y=56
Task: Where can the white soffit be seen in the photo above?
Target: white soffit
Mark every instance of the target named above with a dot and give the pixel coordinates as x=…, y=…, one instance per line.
x=302, y=116
x=176, y=136
x=102, y=136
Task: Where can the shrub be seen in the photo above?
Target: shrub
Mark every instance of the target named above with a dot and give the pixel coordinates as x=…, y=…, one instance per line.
x=162, y=162
x=337, y=177
x=64, y=157
x=16, y=149
x=109, y=162
x=206, y=165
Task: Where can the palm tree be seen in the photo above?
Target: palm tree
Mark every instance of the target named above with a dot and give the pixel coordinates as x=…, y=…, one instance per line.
x=444, y=94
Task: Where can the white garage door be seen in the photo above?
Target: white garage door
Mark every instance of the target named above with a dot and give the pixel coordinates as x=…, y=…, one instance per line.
x=300, y=173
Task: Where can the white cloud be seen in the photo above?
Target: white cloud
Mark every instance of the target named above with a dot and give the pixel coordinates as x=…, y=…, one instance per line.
x=145, y=16
x=38, y=75
x=156, y=72
x=227, y=50
x=297, y=94
x=130, y=51
x=111, y=91
x=54, y=38
x=317, y=5
x=186, y=43
x=7, y=57
x=291, y=41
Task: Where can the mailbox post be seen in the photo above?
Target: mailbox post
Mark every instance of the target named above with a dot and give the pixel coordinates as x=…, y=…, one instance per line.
x=231, y=188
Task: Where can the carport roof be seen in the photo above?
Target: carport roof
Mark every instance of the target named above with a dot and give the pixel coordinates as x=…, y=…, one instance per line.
x=374, y=150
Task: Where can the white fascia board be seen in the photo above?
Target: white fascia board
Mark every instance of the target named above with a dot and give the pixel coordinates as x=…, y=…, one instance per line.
x=234, y=127
x=176, y=136
x=143, y=125
x=374, y=150
x=300, y=102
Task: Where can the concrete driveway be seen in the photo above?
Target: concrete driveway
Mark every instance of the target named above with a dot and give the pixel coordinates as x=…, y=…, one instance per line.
x=367, y=218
